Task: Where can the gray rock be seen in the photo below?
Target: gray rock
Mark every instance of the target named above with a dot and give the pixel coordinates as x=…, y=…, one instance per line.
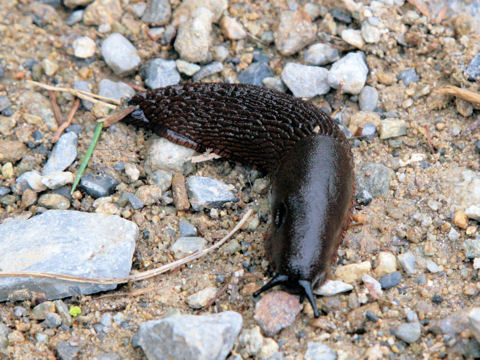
x=319, y=351
x=131, y=199
x=409, y=332
x=3, y=336
x=84, y=86
x=368, y=99
x=65, y=242
x=63, y=154
x=251, y=342
x=57, y=179
x=5, y=190
x=472, y=247
x=187, y=229
x=40, y=311
x=473, y=69
x=35, y=103
x=432, y=266
x=408, y=76
x=52, y=321
x=207, y=192
x=320, y=54
x=186, y=245
x=115, y=89
x=474, y=322
x=220, y=53
x=166, y=155
x=157, y=12
x=370, y=33
x=369, y=130
x=407, y=262
x=120, y=55
x=160, y=73
x=350, y=72
x=188, y=337
x=66, y=351
x=139, y=9
x=374, y=178
x=255, y=74
x=274, y=83
x=4, y=103
x=391, y=280
x=162, y=178
x=208, y=70
x=98, y=185
x=62, y=310
x=201, y=298
x=84, y=47
x=31, y=179
x=54, y=201
x=294, y=32
x=353, y=37
x=186, y=67
x=304, y=80
x=75, y=17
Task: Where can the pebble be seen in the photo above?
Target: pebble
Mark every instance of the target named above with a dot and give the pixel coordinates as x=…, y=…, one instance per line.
x=98, y=185
x=387, y=263
x=49, y=67
x=473, y=212
x=295, y=31
x=432, y=267
x=63, y=154
x=157, y=13
x=57, y=179
x=52, y=321
x=74, y=17
x=187, y=245
x=368, y=98
x=408, y=76
x=207, y=192
x=474, y=322
x=102, y=12
x=451, y=325
x=370, y=33
x=255, y=74
x=131, y=199
x=251, y=342
x=132, y=171
x=62, y=310
x=460, y=219
x=54, y=201
x=353, y=37
x=36, y=104
x=84, y=86
x=186, y=229
x=332, y=287
x=7, y=170
x=208, y=70
x=162, y=178
x=4, y=190
x=305, y=81
x=203, y=337
x=476, y=263
x=276, y=310
x=90, y=245
x=352, y=273
x=149, y=194
x=373, y=286
x=232, y=29
x=193, y=36
x=31, y=179
x=220, y=53
x=166, y=155
x=115, y=89
x=409, y=332
x=274, y=83
x=83, y=47
x=11, y=150
x=374, y=178
x=407, y=262
x=186, y=67
x=472, y=247
x=341, y=16
x=66, y=351
x=350, y=71
x=120, y=55
x=319, y=351
x=320, y=54
x=161, y=73
x=4, y=103
x=40, y=311
x=391, y=280
x=201, y=298
x=3, y=336
x=473, y=68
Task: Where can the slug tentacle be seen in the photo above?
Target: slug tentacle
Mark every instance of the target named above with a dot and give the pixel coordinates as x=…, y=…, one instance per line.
x=307, y=154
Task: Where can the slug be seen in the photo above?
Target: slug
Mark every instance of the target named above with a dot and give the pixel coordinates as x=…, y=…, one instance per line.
x=306, y=153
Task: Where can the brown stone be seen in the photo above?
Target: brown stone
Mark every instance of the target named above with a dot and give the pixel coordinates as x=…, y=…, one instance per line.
x=179, y=190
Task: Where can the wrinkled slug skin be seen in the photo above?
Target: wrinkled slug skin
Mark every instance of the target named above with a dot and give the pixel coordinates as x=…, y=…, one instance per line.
x=307, y=154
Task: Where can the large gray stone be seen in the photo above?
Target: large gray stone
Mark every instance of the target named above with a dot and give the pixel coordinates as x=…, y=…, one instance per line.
x=68, y=243
x=204, y=337
x=120, y=55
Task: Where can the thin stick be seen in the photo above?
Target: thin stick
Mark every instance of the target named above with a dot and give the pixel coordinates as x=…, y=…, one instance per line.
x=67, y=122
x=429, y=139
x=56, y=109
x=467, y=95
x=117, y=116
x=134, y=277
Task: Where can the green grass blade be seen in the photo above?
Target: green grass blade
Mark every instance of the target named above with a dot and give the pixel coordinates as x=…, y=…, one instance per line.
x=88, y=155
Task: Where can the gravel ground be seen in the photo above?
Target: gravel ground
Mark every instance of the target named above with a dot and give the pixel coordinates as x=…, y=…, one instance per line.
x=408, y=265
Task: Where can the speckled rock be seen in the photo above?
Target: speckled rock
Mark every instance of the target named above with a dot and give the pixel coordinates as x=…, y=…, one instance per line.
x=304, y=80
x=102, y=12
x=232, y=29
x=204, y=337
x=375, y=178
x=186, y=245
x=54, y=201
x=157, y=13
x=11, y=150
x=407, y=262
x=31, y=179
x=320, y=54
x=276, y=310
x=36, y=104
x=319, y=351
x=165, y=155
x=387, y=263
x=160, y=73
x=391, y=128
x=350, y=72
x=65, y=242
x=207, y=192
x=120, y=55
x=295, y=31
x=63, y=154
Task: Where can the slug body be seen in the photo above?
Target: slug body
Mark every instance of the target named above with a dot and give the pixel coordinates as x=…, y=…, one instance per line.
x=307, y=154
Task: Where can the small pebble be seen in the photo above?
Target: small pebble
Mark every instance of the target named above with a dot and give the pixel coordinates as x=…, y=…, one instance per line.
x=408, y=76
x=66, y=351
x=391, y=280
x=83, y=47
x=391, y=128
x=350, y=72
x=187, y=229
x=319, y=351
x=120, y=55
x=54, y=201
x=98, y=185
x=370, y=33
x=40, y=311
x=75, y=17
x=352, y=273
x=63, y=154
x=149, y=194
x=332, y=287
x=353, y=37
x=387, y=263
x=437, y=299
x=115, y=89
x=186, y=245
x=409, y=332
x=368, y=98
x=186, y=67
x=201, y=298
x=320, y=54
x=294, y=32
x=52, y=320
x=157, y=13
x=407, y=262
x=57, y=179
x=255, y=74
x=161, y=73
x=208, y=70
x=432, y=267
x=373, y=286
x=305, y=81
x=204, y=191
x=473, y=69
x=232, y=29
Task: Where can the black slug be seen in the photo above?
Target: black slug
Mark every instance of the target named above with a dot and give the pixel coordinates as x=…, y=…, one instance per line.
x=306, y=153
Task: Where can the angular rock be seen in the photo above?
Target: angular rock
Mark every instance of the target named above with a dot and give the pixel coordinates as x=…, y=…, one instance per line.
x=304, y=80
x=391, y=128
x=102, y=12
x=115, y=89
x=232, y=29
x=65, y=242
x=31, y=179
x=187, y=229
x=57, y=179
x=409, y=332
x=353, y=37
x=375, y=178
x=54, y=201
x=98, y=185
x=408, y=76
x=207, y=192
x=84, y=86
x=255, y=73
x=295, y=31
x=63, y=154
x=473, y=68
x=407, y=262
x=319, y=351
x=187, y=245
x=83, y=47
x=352, y=273
x=202, y=297
x=157, y=13
x=320, y=54
x=208, y=70
x=350, y=72
x=190, y=337
x=186, y=67
x=120, y=55
x=391, y=280
x=166, y=155
x=160, y=73
x=387, y=263
x=368, y=99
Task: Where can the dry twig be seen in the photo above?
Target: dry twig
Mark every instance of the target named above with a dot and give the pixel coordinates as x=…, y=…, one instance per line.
x=56, y=109
x=67, y=122
x=465, y=94
x=117, y=116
